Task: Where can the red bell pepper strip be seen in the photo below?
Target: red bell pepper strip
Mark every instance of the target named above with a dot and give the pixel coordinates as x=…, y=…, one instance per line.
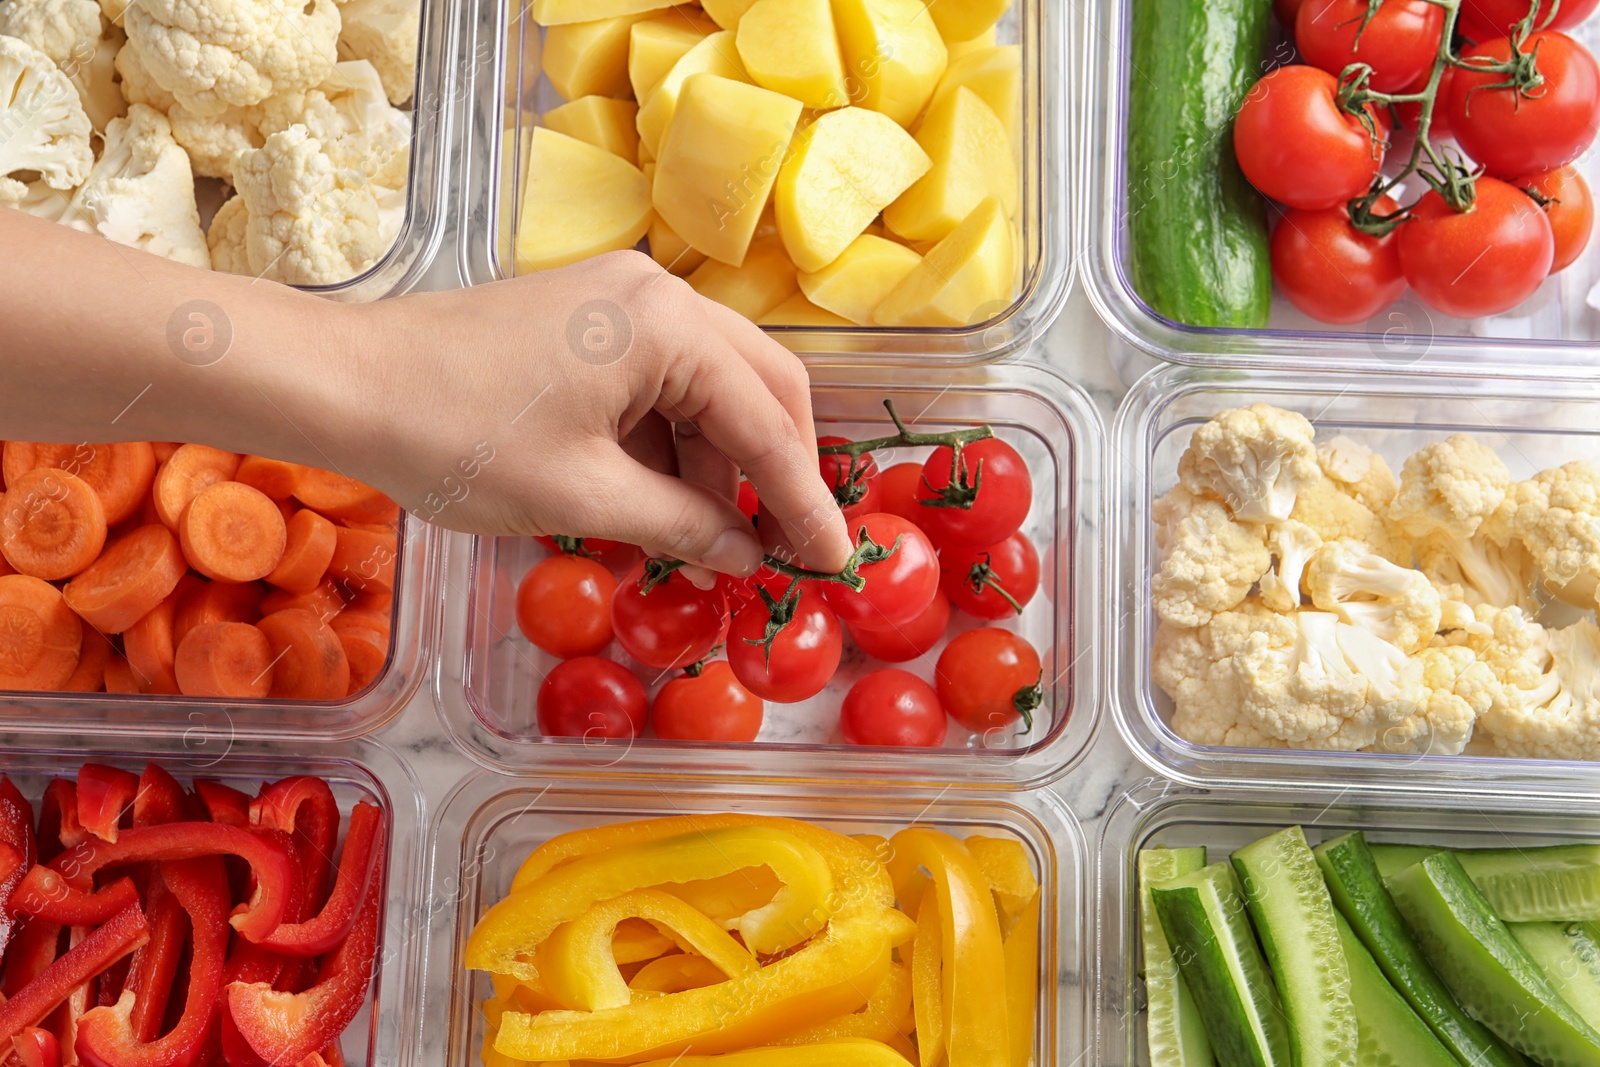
x=16, y=832
x=155, y=966
x=268, y=853
x=160, y=799
x=33, y=949
x=105, y=1035
x=357, y=867
x=59, y=827
x=115, y=978
x=37, y=1047
x=125, y=932
x=45, y=894
x=226, y=804
x=304, y=807
x=105, y=794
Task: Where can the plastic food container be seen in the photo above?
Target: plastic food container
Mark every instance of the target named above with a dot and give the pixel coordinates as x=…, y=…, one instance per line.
x=489, y=673
x=359, y=771
x=501, y=52
x=1551, y=334
x=487, y=827
x=1155, y=814
x=1531, y=425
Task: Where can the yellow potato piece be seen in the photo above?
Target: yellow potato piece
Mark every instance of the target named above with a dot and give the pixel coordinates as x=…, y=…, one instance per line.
x=789, y=46
x=987, y=39
x=798, y=311
x=962, y=20
x=995, y=74
x=600, y=121
x=766, y=280
x=590, y=58
x=853, y=285
x=579, y=201
x=655, y=45
x=713, y=55
x=842, y=171
x=561, y=12
x=726, y=13
x=718, y=161
x=966, y=278
x=670, y=250
x=893, y=55
x=971, y=160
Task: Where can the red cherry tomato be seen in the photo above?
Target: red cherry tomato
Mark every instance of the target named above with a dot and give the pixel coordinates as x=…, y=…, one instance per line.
x=1479, y=262
x=899, y=588
x=564, y=606
x=1409, y=114
x=1512, y=134
x=908, y=640
x=712, y=706
x=1571, y=210
x=591, y=697
x=1332, y=271
x=614, y=555
x=1011, y=565
x=1400, y=42
x=892, y=707
x=805, y=654
x=1287, y=11
x=1004, y=494
x=988, y=678
x=1484, y=20
x=1296, y=146
x=897, y=491
x=836, y=475
x=673, y=625
x=741, y=592
x=748, y=502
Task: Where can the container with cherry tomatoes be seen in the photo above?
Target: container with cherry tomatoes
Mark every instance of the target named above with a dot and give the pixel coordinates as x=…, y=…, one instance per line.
x=956, y=644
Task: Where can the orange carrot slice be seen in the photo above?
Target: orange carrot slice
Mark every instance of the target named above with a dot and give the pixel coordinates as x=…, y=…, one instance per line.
x=324, y=601
x=181, y=478
x=274, y=477
x=233, y=533
x=90, y=674
x=342, y=498
x=150, y=646
x=40, y=637
x=366, y=652
x=306, y=555
x=164, y=449
x=131, y=576
x=217, y=602
x=119, y=474
x=225, y=659
x=52, y=524
x=5, y=568
x=363, y=560
x=120, y=677
x=380, y=601
x=308, y=660
x=373, y=622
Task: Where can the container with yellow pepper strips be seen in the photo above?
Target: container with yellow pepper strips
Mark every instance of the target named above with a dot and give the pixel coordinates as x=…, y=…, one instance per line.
x=757, y=941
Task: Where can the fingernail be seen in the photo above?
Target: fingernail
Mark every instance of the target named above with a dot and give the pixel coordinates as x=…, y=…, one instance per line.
x=735, y=552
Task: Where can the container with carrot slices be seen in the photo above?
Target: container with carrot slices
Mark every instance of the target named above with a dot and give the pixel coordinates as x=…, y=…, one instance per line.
x=141, y=579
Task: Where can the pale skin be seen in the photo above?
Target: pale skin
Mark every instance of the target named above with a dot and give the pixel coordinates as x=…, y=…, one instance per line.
x=412, y=394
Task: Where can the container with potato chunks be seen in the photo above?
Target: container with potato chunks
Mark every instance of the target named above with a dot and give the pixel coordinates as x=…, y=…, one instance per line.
x=880, y=179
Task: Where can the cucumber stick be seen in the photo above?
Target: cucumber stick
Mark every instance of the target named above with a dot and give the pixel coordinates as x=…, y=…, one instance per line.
x=1485, y=967
x=1177, y=1037
x=1198, y=231
x=1204, y=919
x=1359, y=894
x=1294, y=916
x=1391, y=1034
x=1557, y=883
x=1391, y=858
x=1569, y=956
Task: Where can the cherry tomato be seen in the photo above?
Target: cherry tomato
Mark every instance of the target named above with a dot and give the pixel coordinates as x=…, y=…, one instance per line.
x=712, y=706
x=614, y=555
x=1332, y=271
x=591, y=697
x=908, y=640
x=564, y=606
x=1287, y=11
x=673, y=625
x=1011, y=565
x=1571, y=210
x=1479, y=262
x=1513, y=134
x=899, y=588
x=1484, y=20
x=805, y=654
x=741, y=592
x=892, y=707
x=1400, y=42
x=988, y=678
x=897, y=491
x=1409, y=114
x=748, y=502
x=836, y=473
x=1296, y=146
x=1004, y=494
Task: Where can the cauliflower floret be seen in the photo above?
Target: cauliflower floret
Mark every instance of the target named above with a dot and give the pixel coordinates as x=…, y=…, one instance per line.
x=1395, y=603
x=81, y=42
x=1292, y=545
x=1359, y=471
x=211, y=56
x=213, y=141
x=227, y=235
x=384, y=32
x=1192, y=666
x=1457, y=689
x=1477, y=570
x=353, y=119
x=36, y=198
x=1324, y=506
x=138, y=87
x=1556, y=516
x=1210, y=564
x=1255, y=459
x=46, y=129
x=1559, y=718
x=1450, y=487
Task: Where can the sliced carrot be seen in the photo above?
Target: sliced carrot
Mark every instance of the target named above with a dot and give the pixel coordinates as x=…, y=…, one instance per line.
x=164, y=449
x=150, y=644
x=225, y=659
x=5, y=568
x=274, y=477
x=52, y=524
x=120, y=474
x=324, y=601
x=288, y=509
x=373, y=622
x=363, y=560
x=309, y=660
x=90, y=675
x=217, y=602
x=120, y=677
x=380, y=601
x=181, y=478
x=342, y=498
x=131, y=576
x=307, y=554
x=366, y=651
x=40, y=637
x=233, y=533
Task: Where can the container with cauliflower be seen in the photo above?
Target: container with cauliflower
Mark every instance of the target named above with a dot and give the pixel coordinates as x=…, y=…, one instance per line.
x=259, y=137
x=1359, y=567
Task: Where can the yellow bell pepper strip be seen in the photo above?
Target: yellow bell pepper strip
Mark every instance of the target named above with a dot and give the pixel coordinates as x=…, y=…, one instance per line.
x=529, y=996
x=576, y=962
x=1005, y=866
x=844, y=1053
x=637, y=941
x=887, y=1018
x=729, y=896
x=578, y=843
x=927, y=983
x=976, y=1018
x=1021, y=950
x=674, y=974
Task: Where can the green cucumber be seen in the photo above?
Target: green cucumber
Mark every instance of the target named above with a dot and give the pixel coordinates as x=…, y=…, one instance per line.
x=1392, y=1035
x=1358, y=892
x=1569, y=956
x=1555, y=883
x=1484, y=966
x=1198, y=230
x=1177, y=1037
x=1294, y=916
x=1391, y=858
x=1204, y=919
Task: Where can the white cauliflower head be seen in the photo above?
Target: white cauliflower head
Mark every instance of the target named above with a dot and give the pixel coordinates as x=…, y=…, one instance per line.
x=1194, y=667
x=1254, y=459
x=1477, y=570
x=1560, y=717
x=43, y=127
x=1358, y=471
x=385, y=33
x=138, y=87
x=1324, y=505
x=213, y=141
x=1556, y=517
x=82, y=43
x=1210, y=563
x=1450, y=487
x=1292, y=544
x=1457, y=689
x=226, y=237
x=1396, y=604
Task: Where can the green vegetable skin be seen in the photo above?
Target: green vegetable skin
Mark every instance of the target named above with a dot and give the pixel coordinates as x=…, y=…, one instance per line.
x=1198, y=229
x=1391, y=1033
x=1552, y=883
x=1177, y=1037
x=1569, y=956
